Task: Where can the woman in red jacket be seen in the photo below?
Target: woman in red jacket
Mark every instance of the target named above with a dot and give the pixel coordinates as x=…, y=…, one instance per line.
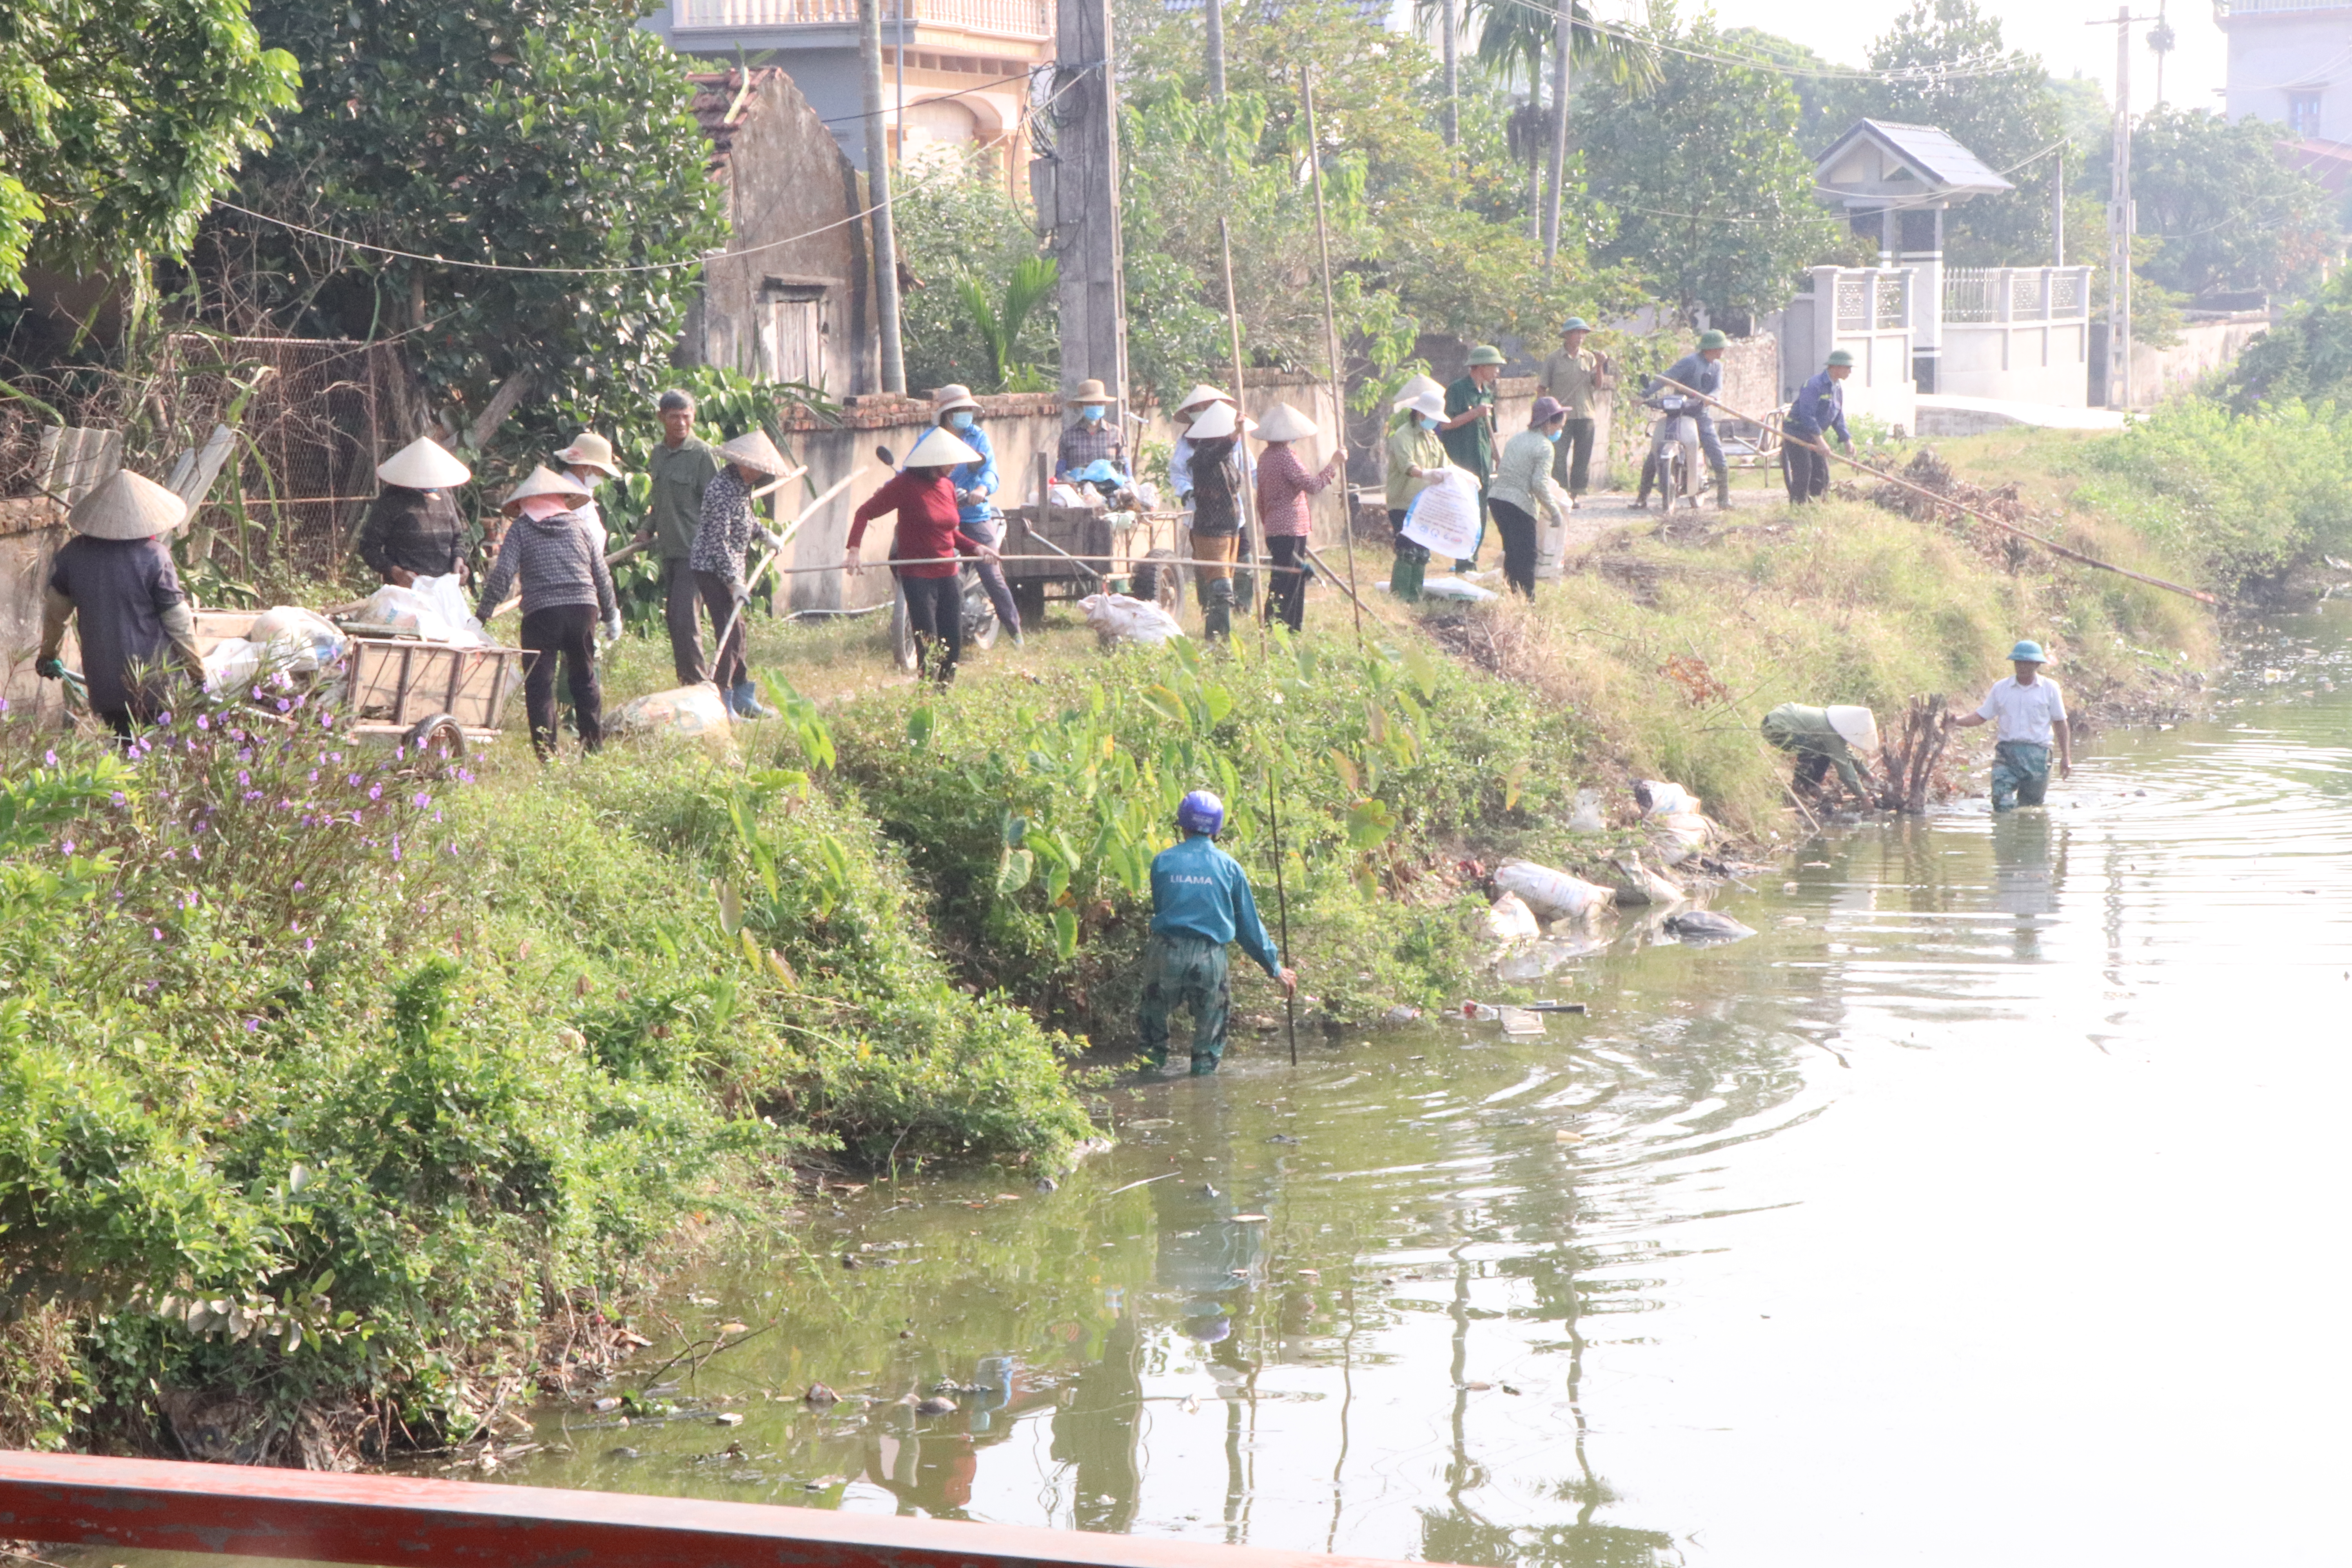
x=926, y=544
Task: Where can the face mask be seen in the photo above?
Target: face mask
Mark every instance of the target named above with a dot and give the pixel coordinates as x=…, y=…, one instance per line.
x=1429, y=424
x=959, y=420
x=1092, y=411
x=1551, y=436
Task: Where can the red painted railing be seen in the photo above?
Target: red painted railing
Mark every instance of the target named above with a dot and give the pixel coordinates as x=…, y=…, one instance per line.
x=398, y=1521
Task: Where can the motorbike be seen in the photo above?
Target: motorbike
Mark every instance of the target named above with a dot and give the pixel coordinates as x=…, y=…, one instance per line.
x=1674, y=448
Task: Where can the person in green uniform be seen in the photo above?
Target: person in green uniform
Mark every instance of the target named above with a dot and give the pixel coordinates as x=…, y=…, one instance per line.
x=681, y=468
x=1575, y=377
x=1468, y=432
x=1825, y=738
x=1415, y=455
x=1199, y=901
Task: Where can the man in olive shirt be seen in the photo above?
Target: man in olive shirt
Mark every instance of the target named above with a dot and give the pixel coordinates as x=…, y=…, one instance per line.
x=1468, y=432
x=1574, y=377
x=680, y=466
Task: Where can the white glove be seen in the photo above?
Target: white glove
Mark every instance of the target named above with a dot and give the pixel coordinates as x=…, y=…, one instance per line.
x=775, y=540
x=612, y=626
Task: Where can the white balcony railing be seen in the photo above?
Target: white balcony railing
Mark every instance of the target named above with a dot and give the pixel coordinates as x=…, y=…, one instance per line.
x=2226, y=8
x=1973, y=295
x=995, y=19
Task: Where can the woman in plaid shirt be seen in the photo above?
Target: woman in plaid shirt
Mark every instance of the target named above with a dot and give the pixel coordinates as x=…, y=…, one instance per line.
x=1283, y=485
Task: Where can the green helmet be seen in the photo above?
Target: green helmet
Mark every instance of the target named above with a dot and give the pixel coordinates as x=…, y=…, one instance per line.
x=2028, y=652
x=1574, y=324
x=1840, y=356
x=1711, y=338
x=1485, y=353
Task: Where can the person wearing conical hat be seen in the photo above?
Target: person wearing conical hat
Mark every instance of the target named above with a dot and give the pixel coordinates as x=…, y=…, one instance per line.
x=566, y=591
x=722, y=540
x=1196, y=402
x=1469, y=431
x=1415, y=457
x=589, y=460
x=957, y=411
x=412, y=528
x=1283, y=485
x=1420, y=385
x=928, y=538
x=1094, y=439
x=681, y=466
x=1213, y=525
x=114, y=582
x=1838, y=737
x=1574, y=377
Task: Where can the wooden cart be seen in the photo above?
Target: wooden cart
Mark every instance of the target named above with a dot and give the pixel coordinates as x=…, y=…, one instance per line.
x=1137, y=552
x=403, y=686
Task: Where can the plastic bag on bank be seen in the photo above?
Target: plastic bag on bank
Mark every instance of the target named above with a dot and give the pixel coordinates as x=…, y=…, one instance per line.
x=1117, y=618
x=1452, y=587
x=685, y=712
x=1656, y=797
x=1552, y=895
x=234, y=664
x=1508, y=920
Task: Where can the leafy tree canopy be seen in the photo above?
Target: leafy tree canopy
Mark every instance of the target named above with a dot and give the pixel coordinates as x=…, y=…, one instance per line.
x=2228, y=212
x=120, y=121
x=1712, y=195
x=1955, y=74
x=528, y=133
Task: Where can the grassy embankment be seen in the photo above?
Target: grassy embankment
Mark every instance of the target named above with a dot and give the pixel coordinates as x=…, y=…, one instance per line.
x=331, y=1095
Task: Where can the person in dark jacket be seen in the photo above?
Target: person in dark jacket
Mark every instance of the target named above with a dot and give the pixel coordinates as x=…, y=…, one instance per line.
x=1214, y=537
x=1201, y=901
x=412, y=528
x=928, y=537
x=114, y=582
x=566, y=591
x=1818, y=410
x=1700, y=371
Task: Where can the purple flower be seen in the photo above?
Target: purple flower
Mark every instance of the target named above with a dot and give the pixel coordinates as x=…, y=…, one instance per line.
x=284, y=706
x=314, y=775
x=253, y=795
x=203, y=721
x=244, y=777
x=353, y=781
x=195, y=852
x=165, y=718
x=326, y=719
x=375, y=791
x=309, y=943
x=421, y=800
x=119, y=798
x=67, y=847
x=50, y=758
x=298, y=887
x=253, y=1025
x=4, y=705
x=157, y=932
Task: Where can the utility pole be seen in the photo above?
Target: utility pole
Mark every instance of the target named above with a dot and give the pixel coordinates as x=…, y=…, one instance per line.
x=1216, y=60
x=1563, y=44
x=1331, y=345
x=1078, y=199
x=2119, y=218
x=1450, y=117
x=2058, y=208
x=877, y=192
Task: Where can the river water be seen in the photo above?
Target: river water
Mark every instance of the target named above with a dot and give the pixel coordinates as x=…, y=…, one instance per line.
x=1987, y=1207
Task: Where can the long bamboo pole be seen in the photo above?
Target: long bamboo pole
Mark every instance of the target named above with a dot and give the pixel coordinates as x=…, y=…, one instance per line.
x=778, y=553
x=2050, y=544
x=1250, y=525
x=1332, y=341
x=1282, y=914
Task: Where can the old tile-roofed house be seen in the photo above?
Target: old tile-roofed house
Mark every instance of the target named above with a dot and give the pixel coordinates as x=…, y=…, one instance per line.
x=791, y=299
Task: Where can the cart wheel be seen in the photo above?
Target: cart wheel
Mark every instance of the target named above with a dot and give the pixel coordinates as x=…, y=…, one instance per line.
x=902, y=634
x=436, y=742
x=1159, y=579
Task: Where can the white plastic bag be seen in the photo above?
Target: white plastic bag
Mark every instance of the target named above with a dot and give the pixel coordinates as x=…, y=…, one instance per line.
x=1507, y=921
x=434, y=609
x=447, y=597
x=1552, y=895
x=232, y=666
x=685, y=712
x=1117, y=618
x=1445, y=515
x=296, y=640
x=1586, y=817
x=1643, y=886
x=1666, y=799
x=1452, y=587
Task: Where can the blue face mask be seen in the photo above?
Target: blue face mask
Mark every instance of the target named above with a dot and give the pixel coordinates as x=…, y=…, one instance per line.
x=1551, y=435
x=959, y=420
x=1093, y=411
x=1428, y=423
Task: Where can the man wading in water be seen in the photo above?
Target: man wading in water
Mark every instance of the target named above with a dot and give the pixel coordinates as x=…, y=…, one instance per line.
x=1199, y=901
x=2029, y=712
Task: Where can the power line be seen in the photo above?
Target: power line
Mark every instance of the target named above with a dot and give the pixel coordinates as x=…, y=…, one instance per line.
x=1906, y=76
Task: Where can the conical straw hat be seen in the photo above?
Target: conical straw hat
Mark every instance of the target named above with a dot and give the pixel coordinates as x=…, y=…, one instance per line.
x=590, y=450
x=941, y=447
x=1202, y=394
x=756, y=451
x=545, y=481
x=1420, y=385
x=1217, y=420
x=127, y=506
x=1283, y=423
x=423, y=464
x=1858, y=727
x=1427, y=403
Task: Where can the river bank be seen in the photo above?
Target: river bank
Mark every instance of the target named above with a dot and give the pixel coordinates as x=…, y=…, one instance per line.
x=390, y=1096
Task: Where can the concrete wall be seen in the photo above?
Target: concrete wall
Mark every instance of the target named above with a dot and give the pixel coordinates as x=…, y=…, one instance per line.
x=31, y=529
x=1881, y=384
x=2158, y=373
x=2023, y=361
x=2274, y=55
x=787, y=178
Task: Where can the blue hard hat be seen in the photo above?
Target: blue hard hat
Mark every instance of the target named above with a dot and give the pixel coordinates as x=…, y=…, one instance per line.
x=1200, y=812
x=2027, y=652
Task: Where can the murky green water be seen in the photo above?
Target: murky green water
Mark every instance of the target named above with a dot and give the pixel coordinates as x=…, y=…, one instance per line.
x=1986, y=1207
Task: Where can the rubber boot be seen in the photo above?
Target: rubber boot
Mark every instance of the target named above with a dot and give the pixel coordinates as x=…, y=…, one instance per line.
x=1405, y=576
x=1723, y=489
x=1217, y=610
x=1204, y=1066
x=745, y=700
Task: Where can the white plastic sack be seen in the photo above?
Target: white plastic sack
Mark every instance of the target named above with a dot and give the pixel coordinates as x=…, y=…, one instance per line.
x=685, y=712
x=1117, y=618
x=1643, y=886
x=296, y=640
x=1552, y=895
x=1668, y=799
x=1147, y=494
x=1507, y=921
x=1586, y=817
x=1445, y=515
x=232, y=666
x=435, y=609
x=1452, y=587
